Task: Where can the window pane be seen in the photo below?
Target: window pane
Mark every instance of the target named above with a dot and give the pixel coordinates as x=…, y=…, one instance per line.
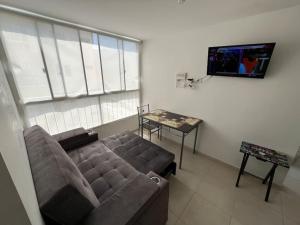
x=118, y=106
x=110, y=63
x=131, y=61
x=121, y=59
x=90, y=50
x=51, y=58
x=60, y=116
x=70, y=56
x=22, y=49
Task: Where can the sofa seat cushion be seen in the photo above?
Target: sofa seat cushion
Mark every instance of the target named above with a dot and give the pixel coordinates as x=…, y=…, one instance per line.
x=103, y=169
x=127, y=205
x=64, y=195
x=140, y=153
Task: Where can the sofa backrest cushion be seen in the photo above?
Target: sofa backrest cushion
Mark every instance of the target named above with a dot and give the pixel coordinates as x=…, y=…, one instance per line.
x=63, y=193
x=72, y=139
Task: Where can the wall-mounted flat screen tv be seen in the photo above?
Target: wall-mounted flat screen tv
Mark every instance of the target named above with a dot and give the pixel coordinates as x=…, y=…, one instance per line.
x=250, y=60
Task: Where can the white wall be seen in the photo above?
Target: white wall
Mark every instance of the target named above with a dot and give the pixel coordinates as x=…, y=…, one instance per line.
x=14, y=212
x=14, y=153
x=292, y=179
x=265, y=112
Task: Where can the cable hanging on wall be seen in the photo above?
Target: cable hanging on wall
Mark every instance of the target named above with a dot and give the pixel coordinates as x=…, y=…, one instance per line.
x=183, y=80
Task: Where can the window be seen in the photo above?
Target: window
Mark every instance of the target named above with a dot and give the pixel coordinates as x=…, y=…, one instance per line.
x=46, y=35
x=131, y=63
x=67, y=77
x=22, y=47
x=110, y=63
x=71, y=61
x=116, y=106
x=90, y=50
x=59, y=116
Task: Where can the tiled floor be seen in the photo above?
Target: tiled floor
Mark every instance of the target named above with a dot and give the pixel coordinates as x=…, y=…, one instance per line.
x=204, y=193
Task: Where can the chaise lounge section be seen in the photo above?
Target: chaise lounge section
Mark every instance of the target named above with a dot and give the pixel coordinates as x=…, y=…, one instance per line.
x=142, y=154
x=90, y=184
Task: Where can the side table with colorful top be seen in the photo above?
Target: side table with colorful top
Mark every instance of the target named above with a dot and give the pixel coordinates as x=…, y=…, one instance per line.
x=266, y=155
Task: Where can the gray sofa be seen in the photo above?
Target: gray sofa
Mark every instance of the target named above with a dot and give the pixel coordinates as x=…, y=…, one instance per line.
x=89, y=184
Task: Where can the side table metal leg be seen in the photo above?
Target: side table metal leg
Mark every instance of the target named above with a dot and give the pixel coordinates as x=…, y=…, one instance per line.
x=181, y=152
x=265, y=180
x=195, y=141
x=243, y=165
x=272, y=172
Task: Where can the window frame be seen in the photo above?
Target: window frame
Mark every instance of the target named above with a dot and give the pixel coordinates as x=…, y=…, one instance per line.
x=37, y=18
x=121, y=61
x=52, y=22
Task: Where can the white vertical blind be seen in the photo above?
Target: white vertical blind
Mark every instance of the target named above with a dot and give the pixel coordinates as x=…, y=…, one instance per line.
x=131, y=61
x=50, y=61
x=110, y=63
x=70, y=56
x=45, y=31
x=59, y=116
x=121, y=61
x=120, y=105
x=90, y=51
x=22, y=48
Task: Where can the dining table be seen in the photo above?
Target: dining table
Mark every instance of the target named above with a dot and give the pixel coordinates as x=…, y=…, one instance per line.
x=183, y=124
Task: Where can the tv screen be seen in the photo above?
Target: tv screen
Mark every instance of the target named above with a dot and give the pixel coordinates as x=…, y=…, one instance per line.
x=240, y=60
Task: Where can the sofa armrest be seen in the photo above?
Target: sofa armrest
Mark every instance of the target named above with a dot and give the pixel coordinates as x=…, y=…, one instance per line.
x=157, y=212
x=160, y=181
x=76, y=138
x=127, y=205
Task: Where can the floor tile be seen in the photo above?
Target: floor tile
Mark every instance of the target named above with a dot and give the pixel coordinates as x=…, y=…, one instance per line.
x=234, y=221
x=249, y=211
x=180, y=222
x=172, y=219
x=222, y=197
x=290, y=222
x=203, y=192
x=291, y=206
x=188, y=178
x=180, y=196
x=256, y=191
x=202, y=212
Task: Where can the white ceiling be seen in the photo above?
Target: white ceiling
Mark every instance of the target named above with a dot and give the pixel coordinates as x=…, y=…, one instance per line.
x=146, y=19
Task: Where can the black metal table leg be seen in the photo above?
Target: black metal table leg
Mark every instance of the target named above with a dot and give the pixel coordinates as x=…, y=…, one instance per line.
x=161, y=132
x=272, y=172
x=181, y=152
x=195, y=141
x=142, y=130
x=243, y=165
x=265, y=180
